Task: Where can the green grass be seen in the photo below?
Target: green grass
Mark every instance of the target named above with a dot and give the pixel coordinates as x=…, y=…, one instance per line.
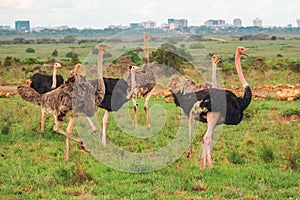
x=258, y=159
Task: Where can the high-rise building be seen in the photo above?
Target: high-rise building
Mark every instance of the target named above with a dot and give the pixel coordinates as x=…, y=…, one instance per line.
x=148, y=24
x=134, y=25
x=298, y=23
x=214, y=22
x=237, y=22
x=177, y=23
x=257, y=22
x=22, y=26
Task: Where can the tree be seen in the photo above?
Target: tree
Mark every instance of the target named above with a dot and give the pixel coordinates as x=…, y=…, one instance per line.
x=30, y=50
x=75, y=59
x=7, y=61
x=55, y=53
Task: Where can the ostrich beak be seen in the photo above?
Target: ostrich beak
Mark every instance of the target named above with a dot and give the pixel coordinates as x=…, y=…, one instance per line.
x=244, y=53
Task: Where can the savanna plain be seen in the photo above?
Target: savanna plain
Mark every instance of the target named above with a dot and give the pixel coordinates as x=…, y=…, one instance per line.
x=257, y=159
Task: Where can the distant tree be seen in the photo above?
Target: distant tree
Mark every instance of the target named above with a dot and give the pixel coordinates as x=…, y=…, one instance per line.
x=7, y=61
x=167, y=54
x=30, y=50
x=273, y=37
x=55, y=53
x=75, y=59
x=69, y=39
x=69, y=54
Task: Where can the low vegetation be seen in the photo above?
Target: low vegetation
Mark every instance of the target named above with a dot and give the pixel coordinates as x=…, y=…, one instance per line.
x=258, y=159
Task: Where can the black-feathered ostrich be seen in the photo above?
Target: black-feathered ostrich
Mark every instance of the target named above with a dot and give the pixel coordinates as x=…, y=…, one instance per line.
x=212, y=106
x=43, y=83
x=77, y=95
x=145, y=81
x=122, y=92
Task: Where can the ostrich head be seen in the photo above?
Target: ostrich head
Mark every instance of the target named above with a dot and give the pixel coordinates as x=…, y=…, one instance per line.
x=215, y=59
x=79, y=69
x=241, y=51
x=102, y=48
x=57, y=66
x=133, y=67
x=176, y=83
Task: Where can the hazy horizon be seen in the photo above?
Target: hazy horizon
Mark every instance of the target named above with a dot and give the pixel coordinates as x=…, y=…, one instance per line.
x=101, y=14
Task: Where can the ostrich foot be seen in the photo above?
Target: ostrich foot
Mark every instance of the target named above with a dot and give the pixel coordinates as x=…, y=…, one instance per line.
x=149, y=127
x=82, y=145
x=203, y=162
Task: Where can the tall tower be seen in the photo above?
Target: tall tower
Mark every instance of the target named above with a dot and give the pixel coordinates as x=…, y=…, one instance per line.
x=298, y=23
x=22, y=26
x=257, y=22
x=237, y=22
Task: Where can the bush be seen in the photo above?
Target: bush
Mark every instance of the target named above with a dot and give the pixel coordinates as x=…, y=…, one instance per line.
x=55, y=53
x=30, y=50
x=7, y=61
x=70, y=54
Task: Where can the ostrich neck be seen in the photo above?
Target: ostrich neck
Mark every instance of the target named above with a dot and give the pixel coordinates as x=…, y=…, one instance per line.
x=101, y=86
x=239, y=70
x=146, y=53
x=133, y=84
x=214, y=75
x=54, y=79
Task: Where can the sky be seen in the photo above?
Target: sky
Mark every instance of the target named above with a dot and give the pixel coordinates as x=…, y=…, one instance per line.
x=102, y=13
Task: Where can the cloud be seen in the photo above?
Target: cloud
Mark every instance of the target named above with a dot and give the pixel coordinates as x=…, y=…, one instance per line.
x=90, y=13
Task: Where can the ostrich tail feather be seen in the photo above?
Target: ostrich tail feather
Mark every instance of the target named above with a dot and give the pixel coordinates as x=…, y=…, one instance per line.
x=29, y=94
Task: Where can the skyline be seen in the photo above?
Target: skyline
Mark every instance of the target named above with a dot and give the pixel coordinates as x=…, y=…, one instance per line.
x=101, y=14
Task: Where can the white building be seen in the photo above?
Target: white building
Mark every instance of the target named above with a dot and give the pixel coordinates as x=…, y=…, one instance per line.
x=237, y=22
x=257, y=22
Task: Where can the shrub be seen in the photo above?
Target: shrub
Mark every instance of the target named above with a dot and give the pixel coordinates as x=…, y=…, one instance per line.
x=30, y=50
x=7, y=61
x=69, y=54
x=55, y=53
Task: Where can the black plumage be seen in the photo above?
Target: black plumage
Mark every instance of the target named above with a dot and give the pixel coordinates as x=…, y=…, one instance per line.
x=42, y=83
x=116, y=91
x=225, y=102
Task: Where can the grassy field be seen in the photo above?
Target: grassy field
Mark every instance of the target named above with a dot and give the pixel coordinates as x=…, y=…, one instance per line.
x=258, y=159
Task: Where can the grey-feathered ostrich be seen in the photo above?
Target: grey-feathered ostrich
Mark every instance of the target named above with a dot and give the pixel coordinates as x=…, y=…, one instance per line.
x=117, y=93
x=145, y=81
x=43, y=83
x=213, y=106
x=77, y=95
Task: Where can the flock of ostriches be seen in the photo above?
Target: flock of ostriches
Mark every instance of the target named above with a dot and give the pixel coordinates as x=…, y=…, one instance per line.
x=209, y=104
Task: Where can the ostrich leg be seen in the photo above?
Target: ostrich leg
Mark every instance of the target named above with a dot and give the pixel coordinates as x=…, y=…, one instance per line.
x=212, y=119
x=104, y=123
x=146, y=110
x=57, y=129
x=43, y=121
x=135, y=112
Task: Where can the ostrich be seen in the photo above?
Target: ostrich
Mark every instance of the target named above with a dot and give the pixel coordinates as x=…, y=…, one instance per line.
x=212, y=106
x=77, y=95
x=44, y=83
x=145, y=81
x=120, y=88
